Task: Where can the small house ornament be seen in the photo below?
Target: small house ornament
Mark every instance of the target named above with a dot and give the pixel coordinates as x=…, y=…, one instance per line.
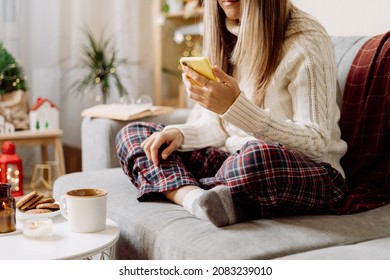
x=44, y=115
x=6, y=127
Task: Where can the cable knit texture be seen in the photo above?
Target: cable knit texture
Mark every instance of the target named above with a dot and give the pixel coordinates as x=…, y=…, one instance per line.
x=300, y=109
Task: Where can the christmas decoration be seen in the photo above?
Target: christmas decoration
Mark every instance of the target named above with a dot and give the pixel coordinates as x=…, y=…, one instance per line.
x=11, y=73
x=11, y=168
x=44, y=115
x=13, y=94
x=5, y=125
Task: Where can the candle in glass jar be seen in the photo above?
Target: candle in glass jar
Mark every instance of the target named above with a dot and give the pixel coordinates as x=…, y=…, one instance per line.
x=7, y=218
x=7, y=209
x=38, y=228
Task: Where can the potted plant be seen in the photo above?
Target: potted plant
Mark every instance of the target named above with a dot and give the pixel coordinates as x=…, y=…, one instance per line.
x=13, y=91
x=100, y=61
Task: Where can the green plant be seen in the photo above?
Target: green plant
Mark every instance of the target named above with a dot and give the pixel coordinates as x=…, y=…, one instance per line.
x=100, y=60
x=11, y=73
x=188, y=6
x=166, y=6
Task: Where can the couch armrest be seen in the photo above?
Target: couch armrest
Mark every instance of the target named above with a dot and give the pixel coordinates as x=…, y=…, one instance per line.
x=98, y=138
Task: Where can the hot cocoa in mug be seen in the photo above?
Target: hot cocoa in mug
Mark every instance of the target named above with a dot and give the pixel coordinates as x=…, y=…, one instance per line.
x=85, y=209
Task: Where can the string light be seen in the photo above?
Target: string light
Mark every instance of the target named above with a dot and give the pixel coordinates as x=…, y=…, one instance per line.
x=14, y=80
x=191, y=43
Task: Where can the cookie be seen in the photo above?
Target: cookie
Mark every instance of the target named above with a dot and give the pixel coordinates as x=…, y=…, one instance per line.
x=26, y=198
x=41, y=201
x=38, y=211
x=27, y=205
x=51, y=206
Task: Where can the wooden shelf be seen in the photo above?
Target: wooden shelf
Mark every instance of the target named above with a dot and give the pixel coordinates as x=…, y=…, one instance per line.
x=42, y=139
x=181, y=17
x=167, y=85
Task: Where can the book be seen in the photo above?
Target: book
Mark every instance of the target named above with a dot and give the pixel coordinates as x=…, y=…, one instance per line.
x=125, y=112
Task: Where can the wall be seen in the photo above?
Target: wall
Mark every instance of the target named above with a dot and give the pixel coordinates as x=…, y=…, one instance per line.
x=46, y=37
x=350, y=17
x=121, y=19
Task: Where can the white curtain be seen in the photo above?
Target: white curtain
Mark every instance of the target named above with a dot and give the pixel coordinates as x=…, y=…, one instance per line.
x=46, y=38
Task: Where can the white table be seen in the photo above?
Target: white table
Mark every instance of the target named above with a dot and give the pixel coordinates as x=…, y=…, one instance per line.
x=64, y=244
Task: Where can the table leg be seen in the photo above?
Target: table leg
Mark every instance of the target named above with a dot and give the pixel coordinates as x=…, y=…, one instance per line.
x=44, y=153
x=59, y=154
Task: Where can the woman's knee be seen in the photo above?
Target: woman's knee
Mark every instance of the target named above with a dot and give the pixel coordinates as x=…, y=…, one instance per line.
x=136, y=132
x=267, y=152
x=129, y=138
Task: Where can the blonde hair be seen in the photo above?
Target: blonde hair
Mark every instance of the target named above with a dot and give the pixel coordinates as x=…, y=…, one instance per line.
x=258, y=46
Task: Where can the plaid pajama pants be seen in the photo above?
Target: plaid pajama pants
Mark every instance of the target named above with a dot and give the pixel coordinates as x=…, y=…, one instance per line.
x=265, y=179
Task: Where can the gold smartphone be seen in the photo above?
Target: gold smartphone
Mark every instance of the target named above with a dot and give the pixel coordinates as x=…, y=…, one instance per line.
x=199, y=64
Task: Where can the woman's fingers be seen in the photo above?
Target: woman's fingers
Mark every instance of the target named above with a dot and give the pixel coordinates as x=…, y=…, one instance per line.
x=146, y=146
x=171, y=138
x=171, y=147
x=226, y=79
x=195, y=77
x=154, y=151
x=214, y=96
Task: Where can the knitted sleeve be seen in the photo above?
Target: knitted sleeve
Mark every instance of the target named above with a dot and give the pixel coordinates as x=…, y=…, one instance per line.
x=202, y=132
x=307, y=77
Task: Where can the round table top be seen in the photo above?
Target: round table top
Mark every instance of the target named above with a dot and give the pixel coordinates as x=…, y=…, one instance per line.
x=64, y=244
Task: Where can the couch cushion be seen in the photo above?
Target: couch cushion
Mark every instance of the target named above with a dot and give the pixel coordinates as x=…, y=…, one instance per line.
x=98, y=138
x=162, y=230
x=377, y=249
x=346, y=48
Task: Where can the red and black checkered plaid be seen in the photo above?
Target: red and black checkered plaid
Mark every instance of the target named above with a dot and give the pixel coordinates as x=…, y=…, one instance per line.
x=365, y=126
x=265, y=179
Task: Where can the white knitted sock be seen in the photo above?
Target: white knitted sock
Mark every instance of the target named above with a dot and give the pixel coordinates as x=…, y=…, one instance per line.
x=191, y=204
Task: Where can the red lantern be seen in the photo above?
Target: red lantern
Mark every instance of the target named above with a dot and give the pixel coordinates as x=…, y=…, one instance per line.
x=11, y=169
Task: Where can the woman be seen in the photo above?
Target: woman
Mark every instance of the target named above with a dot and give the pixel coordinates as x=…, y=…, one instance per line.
x=266, y=140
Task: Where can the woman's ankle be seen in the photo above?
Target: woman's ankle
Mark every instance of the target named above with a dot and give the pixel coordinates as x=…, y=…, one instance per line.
x=177, y=195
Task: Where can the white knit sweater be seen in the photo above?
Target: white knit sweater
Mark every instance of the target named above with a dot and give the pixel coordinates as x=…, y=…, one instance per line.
x=300, y=108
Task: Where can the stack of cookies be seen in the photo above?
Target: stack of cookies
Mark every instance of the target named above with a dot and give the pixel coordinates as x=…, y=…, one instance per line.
x=36, y=203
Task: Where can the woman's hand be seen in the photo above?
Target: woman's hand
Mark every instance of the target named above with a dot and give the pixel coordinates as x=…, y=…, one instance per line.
x=164, y=142
x=214, y=96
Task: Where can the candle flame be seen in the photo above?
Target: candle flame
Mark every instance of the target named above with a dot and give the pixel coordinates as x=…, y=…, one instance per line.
x=34, y=225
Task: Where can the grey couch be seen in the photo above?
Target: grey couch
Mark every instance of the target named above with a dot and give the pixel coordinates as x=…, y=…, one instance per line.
x=162, y=230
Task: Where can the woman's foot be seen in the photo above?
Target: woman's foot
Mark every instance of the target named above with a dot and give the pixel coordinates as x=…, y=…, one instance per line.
x=215, y=205
x=218, y=206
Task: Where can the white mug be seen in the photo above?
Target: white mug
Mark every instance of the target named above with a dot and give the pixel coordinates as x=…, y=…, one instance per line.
x=85, y=209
